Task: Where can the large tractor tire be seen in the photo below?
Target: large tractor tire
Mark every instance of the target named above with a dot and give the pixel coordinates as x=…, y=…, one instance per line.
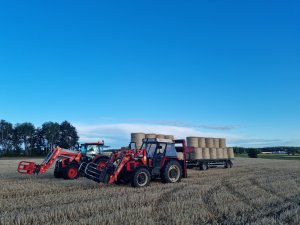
x=71, y=172
x=172, y=172
x=141, y=178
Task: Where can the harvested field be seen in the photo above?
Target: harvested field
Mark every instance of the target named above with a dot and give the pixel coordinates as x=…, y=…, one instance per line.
x=255, y=191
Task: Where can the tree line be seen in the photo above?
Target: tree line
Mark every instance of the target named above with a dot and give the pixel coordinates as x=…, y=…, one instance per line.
x=288, y=150
x=26, y=139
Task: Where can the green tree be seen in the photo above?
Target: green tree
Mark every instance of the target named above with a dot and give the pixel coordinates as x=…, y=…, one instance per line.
x=252, y=153
x=6, y=136
x=51, y=134
x=23, y=134
x=68, y=135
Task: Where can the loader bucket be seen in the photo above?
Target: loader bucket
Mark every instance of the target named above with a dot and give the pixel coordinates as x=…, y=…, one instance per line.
x=26, y=167
x=92, y=172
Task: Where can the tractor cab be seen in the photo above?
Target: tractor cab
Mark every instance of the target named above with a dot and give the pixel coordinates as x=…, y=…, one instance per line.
x=161, y=151
x=90, y=150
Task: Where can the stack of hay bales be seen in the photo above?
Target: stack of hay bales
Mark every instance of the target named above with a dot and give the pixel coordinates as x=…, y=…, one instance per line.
x=138, y=138
x=209, y=148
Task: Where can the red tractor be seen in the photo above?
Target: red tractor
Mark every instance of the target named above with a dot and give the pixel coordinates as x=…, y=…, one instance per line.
x=67, y=161
x=158, y=158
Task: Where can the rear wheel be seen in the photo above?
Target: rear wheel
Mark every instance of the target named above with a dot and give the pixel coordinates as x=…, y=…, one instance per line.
x=141, y=178
x=71, y=172
x=172, y=172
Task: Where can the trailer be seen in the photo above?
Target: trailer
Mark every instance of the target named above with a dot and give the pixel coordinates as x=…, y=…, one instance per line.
x=205, y=164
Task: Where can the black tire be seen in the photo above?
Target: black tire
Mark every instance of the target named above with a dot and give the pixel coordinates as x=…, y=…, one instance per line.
x=141, y=178
x=57, y=174
x=230, y=164
x=204, y=166
x=71, y=172
x=172, y=172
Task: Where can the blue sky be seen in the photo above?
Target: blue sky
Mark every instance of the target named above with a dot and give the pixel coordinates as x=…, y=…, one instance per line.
x=218, y=68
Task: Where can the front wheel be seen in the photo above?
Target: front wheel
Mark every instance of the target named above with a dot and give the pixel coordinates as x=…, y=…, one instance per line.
x=141, y=178
x=172, y=172
x=71, y=172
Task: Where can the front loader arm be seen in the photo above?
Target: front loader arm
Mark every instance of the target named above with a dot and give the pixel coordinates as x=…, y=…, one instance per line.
x=26, y=167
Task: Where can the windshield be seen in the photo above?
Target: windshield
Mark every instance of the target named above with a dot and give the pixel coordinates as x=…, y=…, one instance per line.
x=91, y=149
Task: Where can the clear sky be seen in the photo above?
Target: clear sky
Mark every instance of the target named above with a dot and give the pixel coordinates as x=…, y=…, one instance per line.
x=221, y=68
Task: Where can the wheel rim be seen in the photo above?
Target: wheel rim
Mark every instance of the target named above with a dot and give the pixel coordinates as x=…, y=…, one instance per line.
x=142, y=179
x=174, y=173
x=72, y=173
x=101, y=166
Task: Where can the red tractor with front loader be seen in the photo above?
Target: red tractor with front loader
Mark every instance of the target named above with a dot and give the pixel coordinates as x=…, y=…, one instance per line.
x=67, y=161
x=158, y=158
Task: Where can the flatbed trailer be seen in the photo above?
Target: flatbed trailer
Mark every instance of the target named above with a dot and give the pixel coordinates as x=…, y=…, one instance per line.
x=204, y=164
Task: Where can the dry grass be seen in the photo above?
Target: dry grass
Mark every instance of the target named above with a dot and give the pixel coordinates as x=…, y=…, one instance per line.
x=255, y=191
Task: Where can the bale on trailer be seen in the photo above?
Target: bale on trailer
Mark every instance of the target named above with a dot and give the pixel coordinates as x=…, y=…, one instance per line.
x=169, y=137
x=192, y=142
x=198, y=153
x=222, y=143
x=201, y=142
x=205, y=153
x=160, y=136
x=225, y=153
x=213, y=153
x=209, y=142
x=138, y=139
x=216, y=143
x=220, y=154
x=230, y=153
x=150, y=135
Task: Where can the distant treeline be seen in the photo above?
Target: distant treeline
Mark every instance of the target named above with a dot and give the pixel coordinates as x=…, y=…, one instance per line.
x=288, y=150
x=26, y=139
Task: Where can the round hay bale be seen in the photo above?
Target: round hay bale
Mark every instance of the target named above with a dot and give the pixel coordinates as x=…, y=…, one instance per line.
x=205, y=153
x=216, y=143
x=220, y=154
x=209, y=142
x=160, y=136
x=169, y=137
x=180, y=155
x=230, y=153
x=192, y=142
x=225, y=153
x=213, y=153
x=201, y=142
x=150, y=135
x=222, y=143
x=138, y=139
x=198, y=153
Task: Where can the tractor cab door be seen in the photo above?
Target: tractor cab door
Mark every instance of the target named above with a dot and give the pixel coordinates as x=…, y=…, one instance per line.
x=158, y=157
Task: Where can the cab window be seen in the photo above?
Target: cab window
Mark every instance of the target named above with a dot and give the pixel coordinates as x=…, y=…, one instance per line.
x=171, y=151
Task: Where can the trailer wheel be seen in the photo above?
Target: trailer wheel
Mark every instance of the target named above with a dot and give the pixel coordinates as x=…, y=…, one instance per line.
x=172, y=172
x=204, y=166
x=227, y=165
x=141, y=178
x=71, y=172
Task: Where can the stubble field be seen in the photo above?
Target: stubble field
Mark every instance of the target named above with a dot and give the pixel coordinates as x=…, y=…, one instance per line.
x=255, y=191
